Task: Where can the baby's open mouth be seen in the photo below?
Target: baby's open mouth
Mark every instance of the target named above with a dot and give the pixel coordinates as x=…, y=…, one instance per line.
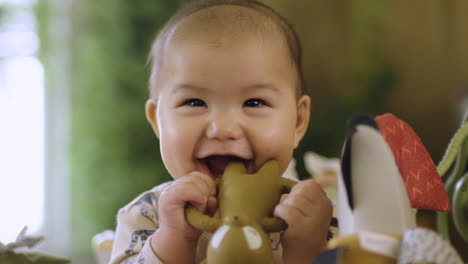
x=218, y=163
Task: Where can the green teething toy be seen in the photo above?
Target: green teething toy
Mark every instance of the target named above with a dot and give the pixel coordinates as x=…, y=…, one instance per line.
x=455, y=158
x=460, y=207
x=246, y=203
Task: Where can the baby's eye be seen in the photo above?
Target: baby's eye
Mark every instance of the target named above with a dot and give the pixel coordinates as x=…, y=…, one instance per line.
x=195, y=102
x=254, y=103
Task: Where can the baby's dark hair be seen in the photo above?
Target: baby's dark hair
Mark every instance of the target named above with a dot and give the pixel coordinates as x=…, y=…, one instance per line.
x=270, y=18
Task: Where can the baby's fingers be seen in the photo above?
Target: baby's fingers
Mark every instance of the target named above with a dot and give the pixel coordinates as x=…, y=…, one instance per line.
x=194, y=188
x=290, y=214
x=200, y=187
x=211, y=205
x=307, y=208
x=310, y=190
x=295, y=206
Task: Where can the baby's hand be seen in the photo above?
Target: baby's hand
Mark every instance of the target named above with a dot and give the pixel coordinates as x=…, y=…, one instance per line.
x=307, y=211
x=195, y=188
x=174, y=234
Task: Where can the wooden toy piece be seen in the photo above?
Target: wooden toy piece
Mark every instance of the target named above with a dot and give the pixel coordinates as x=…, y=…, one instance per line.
x=376, y=221
x=354, y=252
x=371, y=192
x=373, y=206
x=422, y=180
x=246, y=203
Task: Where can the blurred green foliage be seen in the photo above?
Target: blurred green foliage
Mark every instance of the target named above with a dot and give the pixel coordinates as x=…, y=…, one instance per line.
x=361, y=84
x=356, y=56
x=2, y=13
x=114, y=153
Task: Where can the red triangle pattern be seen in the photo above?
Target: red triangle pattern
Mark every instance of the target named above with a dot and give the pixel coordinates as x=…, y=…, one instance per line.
x=423, y=183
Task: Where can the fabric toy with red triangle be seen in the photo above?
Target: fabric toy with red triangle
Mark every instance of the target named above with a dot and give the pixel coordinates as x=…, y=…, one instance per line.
x=423, y=182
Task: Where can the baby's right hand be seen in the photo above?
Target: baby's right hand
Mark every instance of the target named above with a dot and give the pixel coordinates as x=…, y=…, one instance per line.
x=195, y=188
x=175, y=240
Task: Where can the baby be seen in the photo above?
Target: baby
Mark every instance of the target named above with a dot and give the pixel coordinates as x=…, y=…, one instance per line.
x=226, y=84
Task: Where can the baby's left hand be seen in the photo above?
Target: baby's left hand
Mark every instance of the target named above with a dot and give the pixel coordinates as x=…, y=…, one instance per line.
x=307, y=211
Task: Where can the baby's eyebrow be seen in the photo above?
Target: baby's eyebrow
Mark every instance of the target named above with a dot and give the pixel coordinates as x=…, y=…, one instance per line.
x=188, y=88
x=265, y=86
x=183, y=88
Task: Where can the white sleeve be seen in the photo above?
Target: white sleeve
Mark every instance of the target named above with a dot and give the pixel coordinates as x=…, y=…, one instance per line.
x=136, y=223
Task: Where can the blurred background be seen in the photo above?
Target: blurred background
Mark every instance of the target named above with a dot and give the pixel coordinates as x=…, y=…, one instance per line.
x=74, y=143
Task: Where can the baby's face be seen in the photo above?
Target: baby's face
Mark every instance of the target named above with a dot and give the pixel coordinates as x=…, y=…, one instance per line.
x=236, y=102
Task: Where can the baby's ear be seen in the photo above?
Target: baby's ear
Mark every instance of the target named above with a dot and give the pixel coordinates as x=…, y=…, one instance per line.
x=302, y=119
x=150, y=107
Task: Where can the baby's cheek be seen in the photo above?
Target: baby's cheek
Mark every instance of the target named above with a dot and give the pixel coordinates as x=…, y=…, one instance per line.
x=278, y=148
x=179, y=135
x=176, y=153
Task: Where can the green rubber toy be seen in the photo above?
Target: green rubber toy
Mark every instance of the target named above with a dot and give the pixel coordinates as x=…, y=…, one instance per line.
x=246, y=203
x=452, y=169
x=460, y=207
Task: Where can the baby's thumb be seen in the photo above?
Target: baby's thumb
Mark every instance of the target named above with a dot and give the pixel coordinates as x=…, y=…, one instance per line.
x=200, y=203
x=211, y=205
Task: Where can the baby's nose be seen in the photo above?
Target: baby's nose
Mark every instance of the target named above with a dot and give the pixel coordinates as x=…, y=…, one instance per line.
x=224, y=127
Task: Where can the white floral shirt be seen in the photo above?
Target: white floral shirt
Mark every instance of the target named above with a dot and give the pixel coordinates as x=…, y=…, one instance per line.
x=138, y=220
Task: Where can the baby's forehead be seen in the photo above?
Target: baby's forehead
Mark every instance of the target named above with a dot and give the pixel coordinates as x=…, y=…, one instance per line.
x=220, y=28
x=220, y=25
